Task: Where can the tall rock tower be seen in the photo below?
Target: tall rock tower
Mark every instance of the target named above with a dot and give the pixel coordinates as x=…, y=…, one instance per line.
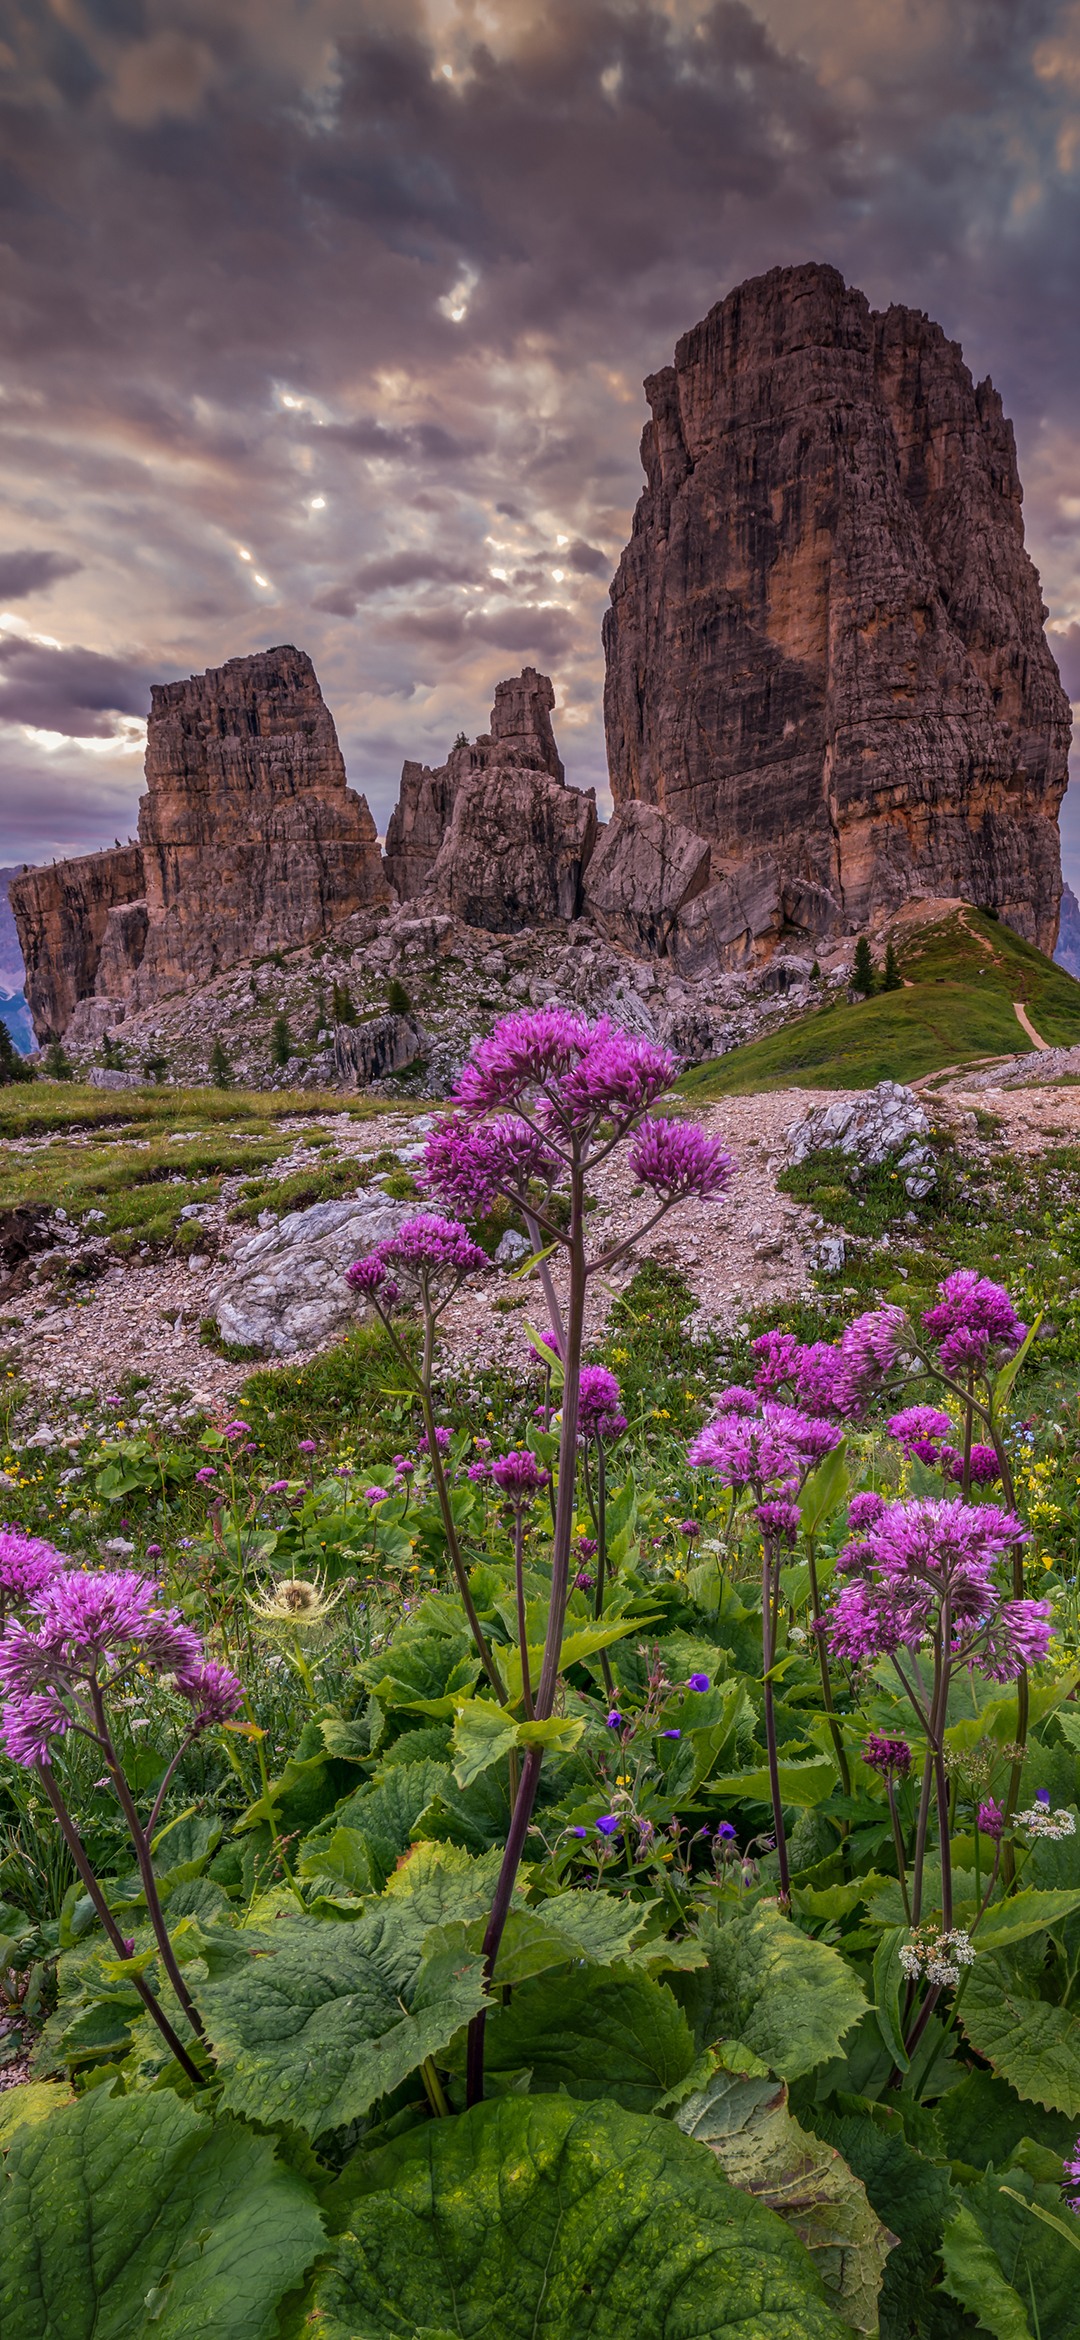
x=825, y=647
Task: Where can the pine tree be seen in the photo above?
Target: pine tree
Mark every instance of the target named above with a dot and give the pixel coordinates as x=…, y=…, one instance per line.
x=58, y=1066
x=344, y=1011
x=221, y=1072
x=397, y=998
x=863, y=973
x=281, y=1046
x=12, y=1067
x=815, y=972
x=892, y=980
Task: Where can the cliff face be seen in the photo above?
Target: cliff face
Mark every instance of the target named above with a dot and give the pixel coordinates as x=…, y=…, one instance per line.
x=249, y=837
x=825, y=648
x=521, y=739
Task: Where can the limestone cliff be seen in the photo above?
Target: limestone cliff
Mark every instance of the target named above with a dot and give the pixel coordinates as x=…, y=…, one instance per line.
x=825, y=648
x=495, y=832
x=249, y=838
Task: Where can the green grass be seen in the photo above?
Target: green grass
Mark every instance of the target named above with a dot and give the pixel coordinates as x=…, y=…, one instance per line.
x=40, y=1107
x=961, y=1007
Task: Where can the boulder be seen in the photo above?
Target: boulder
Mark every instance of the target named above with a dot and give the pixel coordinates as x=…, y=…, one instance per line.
x=285, y=1288
x=516, y=850
x=886, y=1123
x=645, y=869
x=367, y=1052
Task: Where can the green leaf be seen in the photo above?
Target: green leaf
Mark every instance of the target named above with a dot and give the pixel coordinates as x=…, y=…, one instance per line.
x=585, y=1643
x=1004, y=1380
x=973, y=2276
x=387, y=1810
x=888, y=1978
x=1031, y=2043
x=803, y=1784
x=836, y=1901
x=599, y=2031
x=1028, y=2256
x=911, y=2194
x=116, y=2198
x=423, y=1672
x=30, y=2101
x=1033, y=1912
x=541, y=2220
x=825, y=1490
x=576, y=1925
x=746, y=2123
x=483, y=1733
x=789, y=1998
x=983, y=2121
x=316, y=2029
x=340, y=1862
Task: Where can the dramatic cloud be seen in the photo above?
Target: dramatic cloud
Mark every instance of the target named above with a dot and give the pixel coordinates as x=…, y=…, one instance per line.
x=325, y=321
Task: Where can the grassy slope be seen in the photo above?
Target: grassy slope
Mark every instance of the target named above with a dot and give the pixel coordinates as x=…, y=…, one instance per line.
x=966, y=971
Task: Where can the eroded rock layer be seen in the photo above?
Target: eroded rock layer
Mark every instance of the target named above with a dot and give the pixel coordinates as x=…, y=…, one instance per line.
x=825, y=648
x=249, y=838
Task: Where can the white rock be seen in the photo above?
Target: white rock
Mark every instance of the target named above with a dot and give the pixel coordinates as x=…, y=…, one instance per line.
x=512, y=1248
x=285, y=1289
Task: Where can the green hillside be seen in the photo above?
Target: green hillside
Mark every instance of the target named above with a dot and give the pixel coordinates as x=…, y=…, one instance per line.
x=966, y=970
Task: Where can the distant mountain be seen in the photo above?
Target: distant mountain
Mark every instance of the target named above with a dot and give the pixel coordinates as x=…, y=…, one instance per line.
x=16, y=1015
x=1067, y=953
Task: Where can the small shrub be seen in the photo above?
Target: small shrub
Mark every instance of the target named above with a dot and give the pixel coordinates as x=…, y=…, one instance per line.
x=281, y=1047
x=58, y=1066
x=343, y=1009
x=221, y=1072
x=863, y=978
x=12, y=1067
x=155, y=1068
x=112, y=1052
x=397, y=998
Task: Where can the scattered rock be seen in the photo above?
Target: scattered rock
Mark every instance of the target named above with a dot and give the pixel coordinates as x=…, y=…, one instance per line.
x=873, y=1127
x=367, y=1052
x=512, y=1248
x=284, y=1289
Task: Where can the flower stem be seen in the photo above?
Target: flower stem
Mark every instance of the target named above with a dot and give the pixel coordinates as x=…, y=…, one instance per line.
x=142, y=1854
x=898, y=1841
x=823, y=1665
x=770, y=1718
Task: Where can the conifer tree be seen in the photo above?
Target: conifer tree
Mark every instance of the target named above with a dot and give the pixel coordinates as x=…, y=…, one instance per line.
x=221, y=1072
x=863, y=973
x=891, y=980
x=281, y=1046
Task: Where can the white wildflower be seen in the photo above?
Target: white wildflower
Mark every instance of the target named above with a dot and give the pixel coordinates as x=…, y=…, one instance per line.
x=1042, y=1822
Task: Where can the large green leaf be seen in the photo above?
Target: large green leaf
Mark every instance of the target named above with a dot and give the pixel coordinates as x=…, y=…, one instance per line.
x=911, y=2193
x=321, y=2020
x=1013, y=2269
x=535, y=2219
x=599, y=2031
x=122, y=2209
x=788, y=1998
x=1033, y=1912
x=386, y=1811
x=424, y=1672
x=1029, y=2041
x=484, y=1734
x=746, y=2123
x=802, y=1783
x=983, y=2120
x=585, y=1642
x=593, y=1927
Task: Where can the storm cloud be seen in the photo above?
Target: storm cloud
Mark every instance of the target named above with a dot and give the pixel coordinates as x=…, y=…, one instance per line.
x=325, y=321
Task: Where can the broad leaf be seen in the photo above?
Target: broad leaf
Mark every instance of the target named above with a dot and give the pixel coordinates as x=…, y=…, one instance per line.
x=328, y=2018
x=30, y=2101
x=576, y=1925
x=788, y=1998
x=1031, y=2043
x=983, y=2121
x=1033, y=1912
x=541, y=2220
x=599, y=2031
x=386, y=1811
x=911, y=2194
x=889, y=1977
x=485, y=1733
x=803, y=1784
x=122, y=2209
x=746, y=2123
x=1023, y=2259
x=424, y=1672
x=339, y=1863
x=825, y=1490
x=585, y=1642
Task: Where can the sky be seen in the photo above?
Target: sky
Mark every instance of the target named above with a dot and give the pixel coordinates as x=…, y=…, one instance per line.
x=325, y=322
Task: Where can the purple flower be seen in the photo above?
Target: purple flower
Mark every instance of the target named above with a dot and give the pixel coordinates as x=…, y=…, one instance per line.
x=689, y=1528
x=600, y=1412
x=207, y=1475
x=442, y=1441
x=583, y=1583
x=550, y=1346
x=677, y=1158
x=587, y=1546
x=615, y=1720
x=974, y=1322
x=985, y=1467
x=236, y=1430
x=780, y=1520
x=307, y=1446
x=478, y=1470
x=726, y=1831
x=29, y=1726
x=519, y=1474
x=869, y=1350
x=810, y=1434
x=1042, y=1796
x=83, y=1617
x=671, y=1734
x=278, y=1487
x=608, y=1824
x=778, y=1353
x=735, y=1400
x=991, y=1820
x=577, y=1073
x=914, y=1556
x=376, y=1494
x=470, y=1168
x=577, y=1832
x=820, y=1379
x=698, y=1682
x=153, y=1551
x=367, y=1275
x=1071, y=2179
x=746, y=1453
x=865, y=1510
x=892, y=1757
x=920, y=1430
x=213, y=1692
x=26, y=1565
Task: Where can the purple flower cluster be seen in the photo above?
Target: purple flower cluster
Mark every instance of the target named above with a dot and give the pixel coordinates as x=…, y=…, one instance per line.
x=928, y=1566
x=774, y=1448
x=985, y=1467
x=677, y=1158
x=891, y=1757
x=91, y=1628
x=834, y=1381
x=27, y=1565
x=864, y=1511
x=442, y=1441
x=519, y=1474
x=920, y=1430
x=470, y=1167
x=436, y=1253
x=574, y=1074
x=600, y=1412
x=974, y=1322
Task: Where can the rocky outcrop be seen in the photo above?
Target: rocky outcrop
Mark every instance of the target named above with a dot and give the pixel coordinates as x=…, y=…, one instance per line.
x=495, y=832
x=644, y=872
x=61, y=914
x=825, y=648
x=887, y=1124
x=366, y=1052
x=249, y=838
x=285, y=1288
x=1067, y=954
